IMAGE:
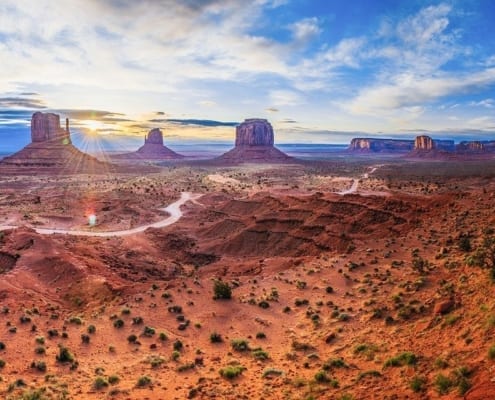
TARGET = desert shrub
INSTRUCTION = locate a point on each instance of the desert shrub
(215, 337)
(260, 335)
(113, 379)
(443, 383)
(75, 320)
(417, 384)
(185, 367)
(64, 355)
(118, 323)
(137, 320)
(175, 355)
(132, 338)
(2, 346)
(40, 340)
(373, 373)
(334, 363)
(232, 371)
(178, 345)
(491, 352)
(148, 331)
(85, 338)
(272, 372)
(2, 363)
(221, 290)
(264, 304)
(406, 358)
(100, 383)
(163, 336)
(91, 329)
(40, 350)
(126, 311)
(464, 244)
(143, 381)
(155, 361)
(322, 377)
(260, 354)
(240, 344)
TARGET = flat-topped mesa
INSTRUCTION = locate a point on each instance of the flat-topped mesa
(371, 145)
(46, 127)
(51, 151)
(254, 142)
(423, 143)
(471, 147)
(254, 132)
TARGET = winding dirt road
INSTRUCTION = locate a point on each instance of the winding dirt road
(173, 209)
(355, 182)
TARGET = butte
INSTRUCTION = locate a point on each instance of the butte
(254, 142)
(153, 149)
(51, 150)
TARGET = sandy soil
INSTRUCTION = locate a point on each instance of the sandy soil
(355, 296)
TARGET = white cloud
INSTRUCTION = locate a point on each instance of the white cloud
(408, 91)
(305, 29)
(487, 103)
(285, 98)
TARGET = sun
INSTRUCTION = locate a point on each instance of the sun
(92, 125)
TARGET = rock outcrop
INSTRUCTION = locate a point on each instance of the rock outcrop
(254, 132)
(46, 127)
(371, 145)
(423, 143)
(471, 147)
(153, 149)
(254, 142)
(51, 150)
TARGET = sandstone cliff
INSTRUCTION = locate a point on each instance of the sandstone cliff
(423, 143)
(380, 145)
(254, 142)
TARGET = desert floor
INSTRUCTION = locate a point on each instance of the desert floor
(385, 291)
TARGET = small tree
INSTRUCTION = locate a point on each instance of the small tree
(221, 290)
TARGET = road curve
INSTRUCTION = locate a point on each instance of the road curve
(355, 182)
(173, 209)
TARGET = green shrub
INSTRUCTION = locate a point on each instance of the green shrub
(64, 355)
(272, 372)
(491, 352)
(118, 323)
(113, 379)
(221, 290)
(240, 345)
(406, 358)
(144, 381)
(260, 354)
(162, 336)
(215, 337)
(443, 383)
(100, 383)
(417, 384)
(232, 371)
(91, 329)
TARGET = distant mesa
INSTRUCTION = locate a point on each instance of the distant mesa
(423, 143)
(254, 141)
(51, 148)
(153, 149)
(372, 145)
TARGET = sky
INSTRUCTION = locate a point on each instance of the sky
(319, 71)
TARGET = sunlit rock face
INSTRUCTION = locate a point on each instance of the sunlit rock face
(155, 136)
(51, 151)
(46, 127)
(254, 132)
(423, 143)
(254, 142)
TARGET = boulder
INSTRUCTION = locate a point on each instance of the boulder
(444, 307)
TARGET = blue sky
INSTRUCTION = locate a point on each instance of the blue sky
(320, 71)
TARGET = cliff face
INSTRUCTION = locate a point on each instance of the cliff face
(46, 127)
(155, 136)
(423, 143)
(254, 142)
(471, 147)
(381, 145)
(51, 151)
(254, 132)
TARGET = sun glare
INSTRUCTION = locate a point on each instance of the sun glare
(93, 125)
